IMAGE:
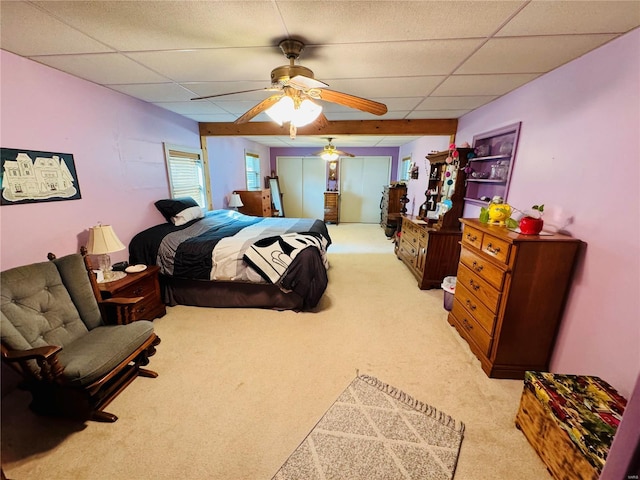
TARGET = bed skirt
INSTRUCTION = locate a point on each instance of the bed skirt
(204, 293)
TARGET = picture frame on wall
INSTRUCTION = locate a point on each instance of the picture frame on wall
(32, 176)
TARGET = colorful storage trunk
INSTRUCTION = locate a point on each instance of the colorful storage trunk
(570, 420)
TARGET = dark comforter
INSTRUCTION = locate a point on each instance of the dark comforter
(214, 247)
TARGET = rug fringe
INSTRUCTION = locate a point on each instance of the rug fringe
(408, 400)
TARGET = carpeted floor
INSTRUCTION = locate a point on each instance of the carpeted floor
(239, 390)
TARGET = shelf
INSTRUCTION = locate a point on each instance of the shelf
(476, 201)
(491, 157)
(485, 180)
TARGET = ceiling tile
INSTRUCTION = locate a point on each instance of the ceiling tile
(550, 18)
(482, 84)
(153, 25)
(420, 58)
(390, 86)
(437, 114)
(225, 64)
(454, 103)
(506, 55)
(102, 68)
(337, 22)
(21, 32)
(155, 92)
(189, 107)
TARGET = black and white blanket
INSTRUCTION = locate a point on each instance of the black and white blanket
(214, 248)
(272, 256)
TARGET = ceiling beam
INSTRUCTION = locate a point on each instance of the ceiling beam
(447, 126)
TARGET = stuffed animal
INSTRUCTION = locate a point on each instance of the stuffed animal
(499, 211)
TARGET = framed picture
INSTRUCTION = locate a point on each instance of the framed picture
(30, 176)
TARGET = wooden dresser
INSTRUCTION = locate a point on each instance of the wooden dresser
(510, 295)
(331, 207)
(430, 253)
(390, 204)
(142, 284)
(256, 202)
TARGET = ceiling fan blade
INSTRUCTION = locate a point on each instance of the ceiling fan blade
(344, 154)
(301, 82)
(352, 101)
(259, 108)
(231, 93)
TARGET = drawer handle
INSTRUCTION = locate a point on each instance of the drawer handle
(138, 291)
(140, 309)
(471, 238)
(477, 267)
(474, 285)
(467, 325)
(470, 305)
(492, 249)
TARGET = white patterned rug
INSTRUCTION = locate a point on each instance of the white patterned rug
(375, 431)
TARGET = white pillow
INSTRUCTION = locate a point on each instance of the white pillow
(187, 215)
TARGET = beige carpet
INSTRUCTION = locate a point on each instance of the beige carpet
(238, 390)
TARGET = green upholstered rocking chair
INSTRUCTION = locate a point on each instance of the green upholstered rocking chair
(54, 335)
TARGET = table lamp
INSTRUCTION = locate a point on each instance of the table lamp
(235, 201)
(102, 242)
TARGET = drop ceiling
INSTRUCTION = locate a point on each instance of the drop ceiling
(423, 59)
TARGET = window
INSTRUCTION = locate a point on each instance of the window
(252, 170)
(186, 170)
(404, 169)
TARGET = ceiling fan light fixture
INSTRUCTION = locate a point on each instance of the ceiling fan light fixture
(285, 111)
(281, 111)
(306, 113)
(329, 156)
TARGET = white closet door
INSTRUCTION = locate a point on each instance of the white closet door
(361, 181)
(302, 183)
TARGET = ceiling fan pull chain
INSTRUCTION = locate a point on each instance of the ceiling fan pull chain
(292, 131)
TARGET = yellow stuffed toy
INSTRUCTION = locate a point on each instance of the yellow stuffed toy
(499, 211)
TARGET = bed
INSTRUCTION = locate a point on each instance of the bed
(223, 258)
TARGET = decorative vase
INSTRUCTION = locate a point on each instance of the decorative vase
(531, 225)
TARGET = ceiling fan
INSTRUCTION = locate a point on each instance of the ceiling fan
(330, 152)
(296, 89)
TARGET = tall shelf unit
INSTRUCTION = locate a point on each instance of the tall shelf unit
(489, 172)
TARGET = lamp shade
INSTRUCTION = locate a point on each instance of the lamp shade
(235, 200)
(329, 156)
(298, 113)
(102, 239)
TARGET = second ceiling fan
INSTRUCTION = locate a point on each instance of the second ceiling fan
(330, 152)
(296, 89)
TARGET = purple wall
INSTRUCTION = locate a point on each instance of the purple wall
(226, 166)
(578, 154)
(117, 146)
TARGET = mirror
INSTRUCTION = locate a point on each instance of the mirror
(276, 197)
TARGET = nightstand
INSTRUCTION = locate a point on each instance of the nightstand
(143, 284)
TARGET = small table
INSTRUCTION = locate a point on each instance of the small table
(142, 284)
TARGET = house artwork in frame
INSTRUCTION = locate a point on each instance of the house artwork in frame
(30, 176)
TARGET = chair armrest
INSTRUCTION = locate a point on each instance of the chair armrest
(46, 359)
(123, 307)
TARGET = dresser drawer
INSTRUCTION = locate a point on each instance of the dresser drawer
(470, 328)
(408, 247)
(472, 236)
(480, 288)
(485, 317)
(498, 249)
(145, 310)
(141, 288)
(483, 267)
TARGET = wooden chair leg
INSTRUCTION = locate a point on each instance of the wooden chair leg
(143, 372)
(105, 417)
